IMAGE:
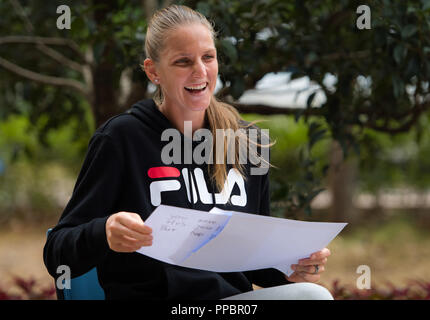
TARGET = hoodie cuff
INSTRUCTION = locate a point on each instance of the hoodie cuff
(98, 236)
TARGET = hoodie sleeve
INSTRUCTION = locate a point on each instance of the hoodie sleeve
(266, 277)
(79, 239)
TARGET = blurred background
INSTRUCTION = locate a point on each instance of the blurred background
(343, 87)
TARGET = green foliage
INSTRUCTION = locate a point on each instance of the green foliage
(19, 140)
(381, 75)
(32, 192)
(299, 162)
(16, 137)
(395, 161)
(257, 37)
(34, 181)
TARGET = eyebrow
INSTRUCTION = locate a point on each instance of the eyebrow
(185, 54)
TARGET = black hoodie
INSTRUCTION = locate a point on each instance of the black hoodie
(123, 171)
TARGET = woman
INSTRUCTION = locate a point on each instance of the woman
(124, 177)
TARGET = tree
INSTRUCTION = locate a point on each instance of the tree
(381, 73)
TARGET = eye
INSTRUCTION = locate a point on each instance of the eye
(208, 57)
(182, 61)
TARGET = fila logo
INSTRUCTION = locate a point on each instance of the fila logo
(200, 186)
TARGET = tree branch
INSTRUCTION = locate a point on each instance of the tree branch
(60, 58)
(351, 55)
(44, 40)
(415, 114)
(19, 9)
(56, 81)
(269, 110)
(57, 56)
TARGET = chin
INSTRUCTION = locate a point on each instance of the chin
(196, 106)
(198, 109)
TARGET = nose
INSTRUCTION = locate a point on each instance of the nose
(199, 69)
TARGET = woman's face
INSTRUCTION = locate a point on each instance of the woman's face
(188, 68)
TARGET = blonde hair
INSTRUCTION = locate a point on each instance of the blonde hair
(219, 115)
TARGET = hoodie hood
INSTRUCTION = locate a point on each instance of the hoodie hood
(148, 112)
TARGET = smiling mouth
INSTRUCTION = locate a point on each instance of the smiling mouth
(197, 89)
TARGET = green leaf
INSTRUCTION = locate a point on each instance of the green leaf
(237, 88)
(229, 49)
(310, 59)
(313, 127)
(412, 67)
(317, 136)
(399, 53)
(314, 193)
(310, 99)
(203, 8)
(427, 64)
(398, 87)
(386, 2)
(324, 169)
(426, 4)
(298, 114)
(295, 73)
(98, 51)
(409, 31)
(356, 148)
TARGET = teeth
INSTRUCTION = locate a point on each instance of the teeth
(197, 87)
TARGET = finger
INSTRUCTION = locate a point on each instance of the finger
(131, 242)
(308, 269)
(295, 277)
(310, 277)
(128, 248)
(122, 247)
(309, 262)
(324, 253)
(315, 257)
(303, 277)
(134, 221)
(130, 233)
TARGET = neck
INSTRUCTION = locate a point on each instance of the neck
(177, 117)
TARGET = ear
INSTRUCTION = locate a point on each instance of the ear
(150, 70)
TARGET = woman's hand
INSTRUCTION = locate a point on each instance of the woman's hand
(306, 271)
(126, 232)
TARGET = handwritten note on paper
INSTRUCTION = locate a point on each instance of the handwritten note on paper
(178, 232)
(229, 241)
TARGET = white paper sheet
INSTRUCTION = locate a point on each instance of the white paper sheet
(230, 241)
